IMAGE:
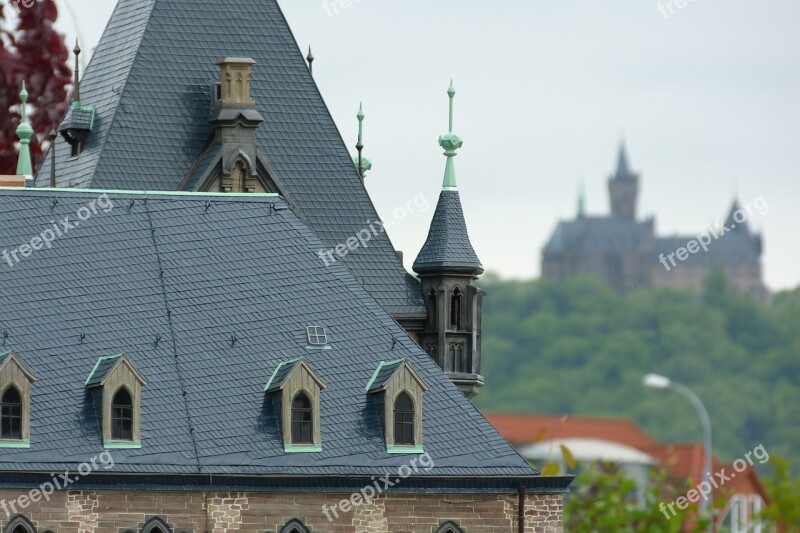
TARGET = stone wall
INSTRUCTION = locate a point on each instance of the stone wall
(77, 511)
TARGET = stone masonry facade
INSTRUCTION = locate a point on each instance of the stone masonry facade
(88, 511)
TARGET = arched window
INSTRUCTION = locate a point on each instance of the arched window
(122, 415)
(432, 308)
(294, 526)
(456, 309)
(11, 412)
(302, 420)
(156, 525)
(19, 524)
(404, 420)
(449, 527)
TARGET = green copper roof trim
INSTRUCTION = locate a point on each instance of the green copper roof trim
(97, 364)
(405, 449)
(275, 372)
(302, 448)
(144, 193)
(378, 371)
(114, 445)
(24, 443)
(24, 132)
(450, 142)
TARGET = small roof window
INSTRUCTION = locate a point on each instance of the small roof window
(317, 336)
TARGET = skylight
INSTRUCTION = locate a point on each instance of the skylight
(317, 336)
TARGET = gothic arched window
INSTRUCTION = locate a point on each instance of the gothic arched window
(302, 420)
(404, 420)
(456, 309)
(294, 526)
(432, 308)
(11, 410)
(122, 415)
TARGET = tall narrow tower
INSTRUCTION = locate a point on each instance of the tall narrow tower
(623, 188)
(448, 268)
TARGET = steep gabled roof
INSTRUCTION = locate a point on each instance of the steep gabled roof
(207, 294)
(150, 83)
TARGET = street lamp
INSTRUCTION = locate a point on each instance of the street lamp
(656, 381)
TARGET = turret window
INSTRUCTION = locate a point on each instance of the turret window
(11, 414)
(122, 416)
(302, 420)
(432, 308)
(456, 306)
(404, 420)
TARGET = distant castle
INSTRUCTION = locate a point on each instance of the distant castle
(627, 253)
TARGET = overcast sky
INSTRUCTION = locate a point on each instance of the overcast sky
(708, 99)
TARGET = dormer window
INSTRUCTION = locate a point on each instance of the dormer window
(397, 390)
(295, 390)
(456, 306)
(317, 337)
(117, 386)
(16, 381)
(11, 407)
(404, 420)
(302, 420)
(122, 416)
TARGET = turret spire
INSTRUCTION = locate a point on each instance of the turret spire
(450, 142)
(582, 199)
(76, 91)
(362, 163)
(310, 59)
(24, 132)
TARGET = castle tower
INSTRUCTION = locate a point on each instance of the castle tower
(448, 267)
(623, 188)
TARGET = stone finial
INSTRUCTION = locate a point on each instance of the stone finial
(234, 76)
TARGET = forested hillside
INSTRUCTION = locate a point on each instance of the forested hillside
(576, 347)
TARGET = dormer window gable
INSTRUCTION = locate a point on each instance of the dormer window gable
(119, 384)
(295, 389)
(398, 390)
(16, 381)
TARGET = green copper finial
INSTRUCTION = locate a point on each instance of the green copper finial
(450, 142)
(362, 163)
(24, 132)
(360, 116)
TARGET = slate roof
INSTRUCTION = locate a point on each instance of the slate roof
(448, 244)
(595, 234)
(101, 369)
(282, 371)
(150, 82)
(729, 249)
(385, 370)
(206, 294)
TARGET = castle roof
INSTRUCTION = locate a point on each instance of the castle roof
(207, 295)
(595, 234)
(150, 84)
(448, 245)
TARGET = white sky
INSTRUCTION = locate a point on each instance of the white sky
(708, 100)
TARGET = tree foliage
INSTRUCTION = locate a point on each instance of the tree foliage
(576, 347)
(785, 493)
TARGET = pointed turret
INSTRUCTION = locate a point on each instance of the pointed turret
(623, 187)
(448, 268)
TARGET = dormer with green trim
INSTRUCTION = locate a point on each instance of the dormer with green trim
(16, 381)
(119, 385)
(79, 119)
(397, 390)
(295, 390)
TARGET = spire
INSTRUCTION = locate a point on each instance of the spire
(363, 164)
(581, 200)
(310, 59)
(52, 137)
(24, 132)
(76, 91)
(623, 168)
(450, 142)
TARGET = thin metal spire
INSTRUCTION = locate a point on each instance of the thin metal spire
(52, 138)
(24, 132)
(310, 59)
(360, 145)
(76, 91)
(450, 142)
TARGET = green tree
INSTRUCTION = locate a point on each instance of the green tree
(785, 494)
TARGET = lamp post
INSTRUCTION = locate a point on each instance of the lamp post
(656, 381)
